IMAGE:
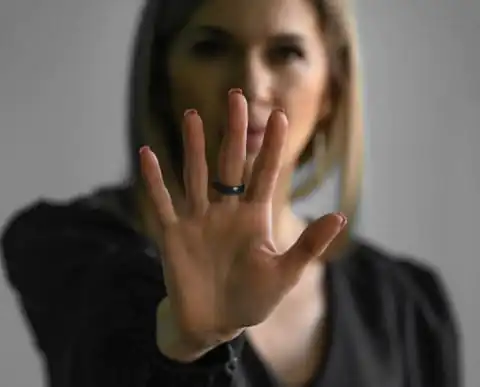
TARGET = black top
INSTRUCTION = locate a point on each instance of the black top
(89, 286)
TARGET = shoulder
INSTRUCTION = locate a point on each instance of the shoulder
(83, 215)
(402, 281)
(81, 239)
(402, 312)
(83, 233)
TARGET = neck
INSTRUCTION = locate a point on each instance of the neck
(286, 226)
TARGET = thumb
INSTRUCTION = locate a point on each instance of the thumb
(312, 243)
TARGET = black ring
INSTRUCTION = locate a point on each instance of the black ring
(229, 190)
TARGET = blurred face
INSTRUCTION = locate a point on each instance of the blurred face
(271, 49)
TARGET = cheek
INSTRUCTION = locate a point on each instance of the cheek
(197, 87)
(193, 88)
(302, 99)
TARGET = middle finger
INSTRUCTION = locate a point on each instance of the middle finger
(231, 163)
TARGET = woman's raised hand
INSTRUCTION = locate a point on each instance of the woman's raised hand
(222, 271)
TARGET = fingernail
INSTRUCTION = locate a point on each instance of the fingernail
(189, 112)
(343, 218)
(143, 149)
(279, 109)
(235, 91)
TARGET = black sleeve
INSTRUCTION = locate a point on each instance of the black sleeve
(431, 338)
(90, 296)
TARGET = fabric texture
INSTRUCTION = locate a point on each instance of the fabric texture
(89, 285)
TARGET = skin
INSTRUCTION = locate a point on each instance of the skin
(268, 56)
(274, 53)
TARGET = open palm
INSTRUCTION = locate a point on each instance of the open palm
(222, 271)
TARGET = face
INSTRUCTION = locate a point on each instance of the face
(271, 49)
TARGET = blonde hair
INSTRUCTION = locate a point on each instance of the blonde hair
(339, 139)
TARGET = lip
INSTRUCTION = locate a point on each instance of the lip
(255, 129)
(255, 135)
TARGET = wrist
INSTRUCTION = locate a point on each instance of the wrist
(173, 342)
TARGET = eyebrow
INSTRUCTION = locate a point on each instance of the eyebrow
(212, 31)
(219, 32)
(288, 38)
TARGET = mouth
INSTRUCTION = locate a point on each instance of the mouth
(255, 136)
(255, 129)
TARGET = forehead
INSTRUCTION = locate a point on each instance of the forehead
(251, 19)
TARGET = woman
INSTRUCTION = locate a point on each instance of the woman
(200, 274)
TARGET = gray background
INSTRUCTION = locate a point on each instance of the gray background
(63, 65)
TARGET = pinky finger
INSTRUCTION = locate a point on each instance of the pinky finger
(159, 194)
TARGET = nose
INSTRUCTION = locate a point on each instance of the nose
(255, 79)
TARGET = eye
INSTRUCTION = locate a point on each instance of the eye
(210, 48)
(286, 53)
